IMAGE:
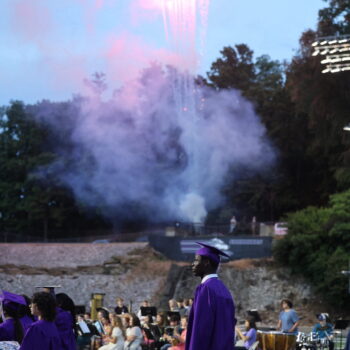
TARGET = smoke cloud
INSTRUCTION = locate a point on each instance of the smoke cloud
(137, 155)
(161, 147)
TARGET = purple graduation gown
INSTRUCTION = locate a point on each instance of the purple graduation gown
(211, 324)
(64, 324)
(7, 330)
(41, 335)
(26, 322)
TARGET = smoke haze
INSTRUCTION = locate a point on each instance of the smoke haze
(136, 155)
(161, 147)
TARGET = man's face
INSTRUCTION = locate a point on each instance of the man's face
(199, 266)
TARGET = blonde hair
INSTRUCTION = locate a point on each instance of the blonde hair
(117, 322)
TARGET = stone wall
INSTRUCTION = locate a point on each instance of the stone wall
(122, 269)
(136, 272)
(259, 284)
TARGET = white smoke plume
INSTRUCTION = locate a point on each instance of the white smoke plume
(135, 154)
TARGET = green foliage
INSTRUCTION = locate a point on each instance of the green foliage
(31, 204)
(317, 246)
(304, 112)
(334, 18)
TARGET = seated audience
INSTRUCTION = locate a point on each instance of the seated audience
(179, 337)
(174, 328)
(101, 314)
(173, 305)
(85, 331)
(114, 340)
(133, 334)
(87, 317)
(187, 306)
(148, 332)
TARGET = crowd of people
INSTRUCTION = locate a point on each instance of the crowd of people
(147, 329)
(48, 321)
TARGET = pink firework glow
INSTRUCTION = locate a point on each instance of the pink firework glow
(150, 118)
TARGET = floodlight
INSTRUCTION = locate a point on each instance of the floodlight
(337, 52)
(346, 128)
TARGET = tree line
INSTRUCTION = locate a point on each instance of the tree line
(304, 112)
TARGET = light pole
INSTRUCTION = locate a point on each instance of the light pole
(347, 273)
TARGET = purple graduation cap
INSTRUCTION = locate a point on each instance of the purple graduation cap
(11, 300)
(210, 252)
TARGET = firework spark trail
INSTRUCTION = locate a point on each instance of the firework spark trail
(184, 22)
(161, 146)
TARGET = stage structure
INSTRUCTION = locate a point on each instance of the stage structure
(335, 51)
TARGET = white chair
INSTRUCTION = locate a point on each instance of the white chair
(9, 345)
(254, 345)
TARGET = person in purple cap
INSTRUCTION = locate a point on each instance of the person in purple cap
(11, 328)
(43, 333)
(211, 324)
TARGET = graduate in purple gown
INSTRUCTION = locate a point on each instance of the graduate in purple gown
(65, 321)
(43, 333)
(11, 328)
(26, 317)
(212, 320)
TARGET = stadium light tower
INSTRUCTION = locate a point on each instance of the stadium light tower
(336, 58)
(335, 51)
